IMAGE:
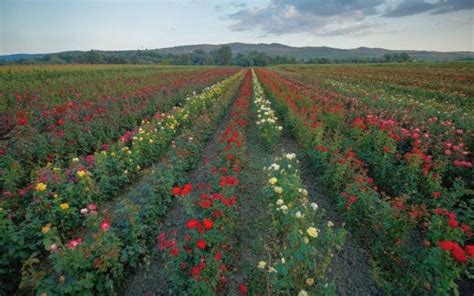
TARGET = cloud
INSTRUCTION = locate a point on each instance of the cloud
(233, 4)
(336, 17)
(411, 7)
(330, 8)
(357, 29)
(317, 17)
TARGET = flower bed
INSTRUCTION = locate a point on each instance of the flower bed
(61, 196)
(353, 156)
(266, 123)
(300, 246)
(90, 114)
(200, 259)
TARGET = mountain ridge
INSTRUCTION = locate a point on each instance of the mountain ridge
(275, 49)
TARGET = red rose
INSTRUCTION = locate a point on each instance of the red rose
(72, 244)
(243, 289)
(193, 223)
(195, 271)
(453, 223)
(176, 191)
(218, 256)
(201, 244)
(174, 252)
(465, 228)
(352, 199)
(205, 204)
(105, 225)
(207, 223)
(445, 245)
(187, 188)
(458, 254)
(60, 121)
(227, 201)
(217, 214)
(470, 250)
(22, 121)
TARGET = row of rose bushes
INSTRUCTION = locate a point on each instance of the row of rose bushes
(442, 82)
(266, 123)
(47, 86)
(426, 111)
(79, 127)
(298, 253)
(58, 195)
(300, 246)
(200, 257)
(404, 155)
(115, 241)
(415, 237)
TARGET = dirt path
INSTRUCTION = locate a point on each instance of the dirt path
(152, 280)
(351, 270)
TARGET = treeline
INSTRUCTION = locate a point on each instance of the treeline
(386, 58)
(222, 57)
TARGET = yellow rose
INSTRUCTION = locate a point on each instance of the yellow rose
(81, 173)
(303, 293)
(46, 228)
(278, 189)
(262, 264)
(309, 281)
(273, 181)
(312, 231)
(41, 187)
(64, 206)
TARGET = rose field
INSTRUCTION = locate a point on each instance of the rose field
(341, 179)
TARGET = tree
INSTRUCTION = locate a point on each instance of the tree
(405, 57)
(94, 57)
(241, 60)
(224, 55)
(200, 57)
(388, 57)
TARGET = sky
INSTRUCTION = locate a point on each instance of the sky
(43, 26)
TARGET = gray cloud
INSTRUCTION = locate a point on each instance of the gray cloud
(358, 29)
(329, 8)
(411, 7)
(233, 4)
(318, 17)
(337, 17)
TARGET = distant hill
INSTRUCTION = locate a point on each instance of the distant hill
(19, 56)
(308, 52)
(276, 49)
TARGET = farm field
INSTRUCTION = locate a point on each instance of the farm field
(282, 180)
